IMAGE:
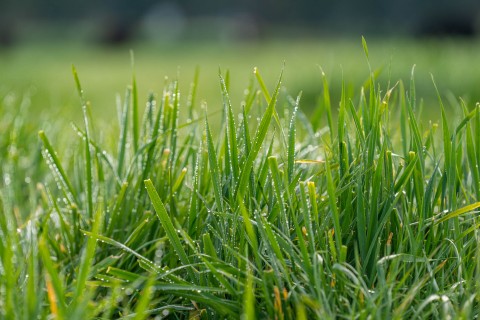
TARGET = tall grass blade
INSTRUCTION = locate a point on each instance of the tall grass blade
(260, 135)
(168, 225)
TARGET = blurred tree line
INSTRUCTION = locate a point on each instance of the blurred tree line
(115, 21)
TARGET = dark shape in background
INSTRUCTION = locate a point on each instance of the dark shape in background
(114, 22)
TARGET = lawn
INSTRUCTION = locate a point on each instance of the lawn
(232, 194)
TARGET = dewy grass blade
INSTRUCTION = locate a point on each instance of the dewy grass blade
(168, 226)
(114, 215)
(458, 212)
(263, 87)
(122, 143)
(193, 93)
(214, 170)
(174, 123)
(219, 276)
(122, 247)
(59, 170)
(246, 133)
(260, 135)
(268, 99)
(193, 209)
(231, 131)
(78, 85)
(291, 140)
(135, 129)
(277, 186)
(88, 165)
(88, 156)
(100, 152)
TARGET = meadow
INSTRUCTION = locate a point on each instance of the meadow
(277, 180)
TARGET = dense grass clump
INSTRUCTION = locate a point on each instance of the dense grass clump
(356, 211)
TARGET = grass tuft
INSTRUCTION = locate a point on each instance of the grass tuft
(346, 213)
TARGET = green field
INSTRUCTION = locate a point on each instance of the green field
(44, 69)
(232, 195)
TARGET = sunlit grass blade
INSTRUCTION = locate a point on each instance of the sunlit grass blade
(458, 212)
(263, 87)
(56, 290)
(260, 135)
(135, 128)
(291, 140)
(249, 299)
(122, 143)
(327, 102)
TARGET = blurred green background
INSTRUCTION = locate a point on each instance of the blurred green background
(41, 40)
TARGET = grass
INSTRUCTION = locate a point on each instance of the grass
(357, 210)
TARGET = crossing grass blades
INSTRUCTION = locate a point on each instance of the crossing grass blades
(259, 210)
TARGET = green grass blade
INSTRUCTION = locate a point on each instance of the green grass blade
(232, 147)
(249, 299)
(174, 123)
(120, 246)
(122, 143)
(135, 128)
(327, 102)
(458, 212)
(334, 209)
(260, 135)
(145, 298)
(58, 169)
(193, 93)
(214, 170)
(88, 166)
(365, 47)
(278, 187)
(78, 85)
(291, 140)
(263, 87)
(88, 256)
(168, 225)
(53, 278)
(88, 156)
